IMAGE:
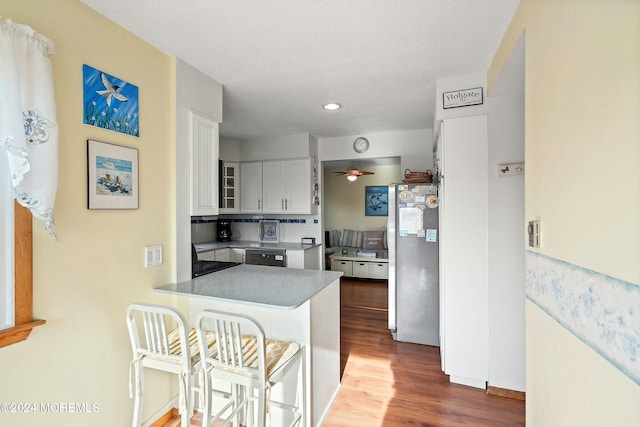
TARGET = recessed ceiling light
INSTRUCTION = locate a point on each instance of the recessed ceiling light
(332, 106)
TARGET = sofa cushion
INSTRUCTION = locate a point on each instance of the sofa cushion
(351, 238)
(373, 239)
(334, 238)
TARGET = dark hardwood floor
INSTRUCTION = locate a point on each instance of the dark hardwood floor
(388, 383)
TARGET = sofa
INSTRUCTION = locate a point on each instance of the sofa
(349, 244)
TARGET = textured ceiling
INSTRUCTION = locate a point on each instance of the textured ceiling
(279, 61)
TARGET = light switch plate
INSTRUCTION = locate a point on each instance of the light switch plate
(152, 255)
(511, 169)
(534, 234)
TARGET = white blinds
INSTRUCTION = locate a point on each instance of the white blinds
(28, 127)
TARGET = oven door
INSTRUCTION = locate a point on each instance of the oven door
(272, 257)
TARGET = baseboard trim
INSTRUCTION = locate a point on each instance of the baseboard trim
(503, 392)
(165, 418)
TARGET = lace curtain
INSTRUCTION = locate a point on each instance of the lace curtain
(28, 127)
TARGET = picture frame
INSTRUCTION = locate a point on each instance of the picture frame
(376, 200)
(462, 98)
(269, 230)
(112, 176)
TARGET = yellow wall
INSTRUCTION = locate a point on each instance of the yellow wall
(582, 179)
(84, 281)
(344, 200)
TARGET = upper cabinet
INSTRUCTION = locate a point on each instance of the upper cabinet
(230, 187)
(284, 186)
(251, 187)
(204, 165)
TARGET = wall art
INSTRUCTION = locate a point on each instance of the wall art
(112, 181)
(110, 102)
(376, 201)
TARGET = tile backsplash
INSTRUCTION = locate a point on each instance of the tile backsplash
(291, 229)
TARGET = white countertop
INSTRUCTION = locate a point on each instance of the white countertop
(246, 244)
(275, 287)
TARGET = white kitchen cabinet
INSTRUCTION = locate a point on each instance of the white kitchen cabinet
(273, 186)
(286, 186)
(207, 256)
(276, 186)
(203, 151)
(236, 255)
(295, 259)
(230, 188)
(222, 255)
(462, 156)
(309, 258)
(251, 187)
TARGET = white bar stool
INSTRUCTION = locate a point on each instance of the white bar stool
(156, 346)
(242, 356)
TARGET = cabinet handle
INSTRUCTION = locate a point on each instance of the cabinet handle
(259, 207)
(282, 204)
(286, 204)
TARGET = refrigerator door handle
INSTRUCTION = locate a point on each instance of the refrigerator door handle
(391, 243)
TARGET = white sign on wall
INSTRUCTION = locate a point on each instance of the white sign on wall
(462, 98)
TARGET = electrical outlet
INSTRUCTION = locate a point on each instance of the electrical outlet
(152, 255)
(511, 169)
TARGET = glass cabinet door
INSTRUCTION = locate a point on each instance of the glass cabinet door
(230, 188)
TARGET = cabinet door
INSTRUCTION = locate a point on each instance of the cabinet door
(273, 186)
(206, 256)
(251, 187)
(230, 188)
(222, 255)
(236, 255)
(295, 259)
(297, 197)
(204, 148)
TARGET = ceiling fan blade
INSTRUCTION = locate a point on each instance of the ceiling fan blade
(340, 173)
(366, 173)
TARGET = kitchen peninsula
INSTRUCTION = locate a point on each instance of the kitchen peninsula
(290, 304)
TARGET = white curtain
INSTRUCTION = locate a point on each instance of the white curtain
(28, 127)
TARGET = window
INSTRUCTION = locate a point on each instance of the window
(23, 284)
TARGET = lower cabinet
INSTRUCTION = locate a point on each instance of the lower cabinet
(207, 256)
(236, 255)
(366, 269)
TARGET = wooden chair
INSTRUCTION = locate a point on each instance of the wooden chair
(251, 363)
(160, 340)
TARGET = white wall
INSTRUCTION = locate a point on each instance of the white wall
(413, 147)
(505, 106)
(467, 81)
(581, 139)
(282, 147)
(345, 201)
(199, 93)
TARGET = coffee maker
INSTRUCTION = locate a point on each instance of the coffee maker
(224, 230)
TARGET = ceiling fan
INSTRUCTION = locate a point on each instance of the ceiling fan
(353, 173)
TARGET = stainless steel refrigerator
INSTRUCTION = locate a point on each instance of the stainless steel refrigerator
(412, 233)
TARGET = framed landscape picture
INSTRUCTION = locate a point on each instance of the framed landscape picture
(112, 176)
(376, 201)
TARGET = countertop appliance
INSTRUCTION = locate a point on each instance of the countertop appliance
(202, 267)
(412, 232)
(224, 230)
(265, 256)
